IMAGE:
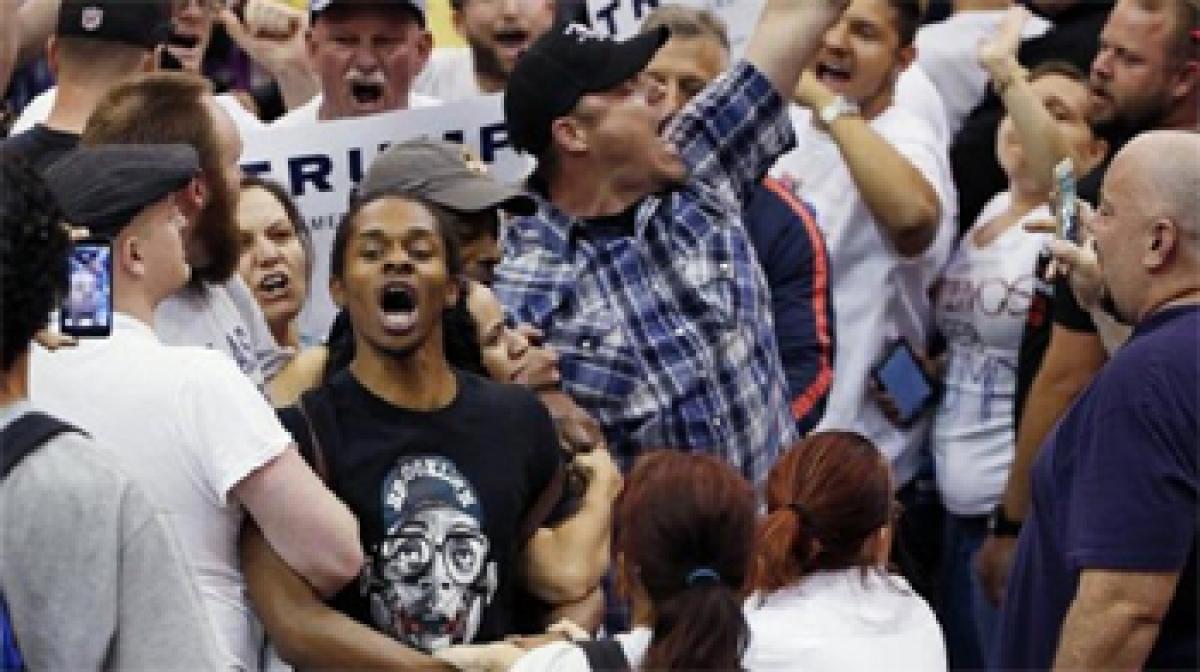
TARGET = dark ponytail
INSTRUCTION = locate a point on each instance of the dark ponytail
(686, 525)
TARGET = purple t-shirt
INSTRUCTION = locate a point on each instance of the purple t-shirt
(1115, 488)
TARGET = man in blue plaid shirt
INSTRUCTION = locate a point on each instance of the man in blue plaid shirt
(637, 267)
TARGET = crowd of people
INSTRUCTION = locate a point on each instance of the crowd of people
(867, 340)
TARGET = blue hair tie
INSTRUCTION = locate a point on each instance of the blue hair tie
(703, 574)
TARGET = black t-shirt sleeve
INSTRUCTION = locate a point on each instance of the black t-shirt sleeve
(1067, 311)
(294, 423)
(545, 457)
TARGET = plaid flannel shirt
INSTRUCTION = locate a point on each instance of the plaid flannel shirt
(666, 335)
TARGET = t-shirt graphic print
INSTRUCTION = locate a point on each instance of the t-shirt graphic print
(430, 576)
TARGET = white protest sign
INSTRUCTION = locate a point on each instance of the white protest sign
(320, 163)
(622, 18)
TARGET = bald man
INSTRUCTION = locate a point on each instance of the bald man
(1105, 575)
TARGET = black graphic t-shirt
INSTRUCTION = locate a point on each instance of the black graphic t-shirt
(439, 497)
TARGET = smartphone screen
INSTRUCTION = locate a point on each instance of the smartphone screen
(87, 309)
(1068, 207)
(901, 377)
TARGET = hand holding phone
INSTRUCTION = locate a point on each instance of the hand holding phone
(1067, 210)
(901, 377)
(87, 310)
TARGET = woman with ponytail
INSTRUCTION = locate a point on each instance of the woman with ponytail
(685, 531)
(823, 598)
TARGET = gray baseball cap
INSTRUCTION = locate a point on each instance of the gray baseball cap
(444, 173)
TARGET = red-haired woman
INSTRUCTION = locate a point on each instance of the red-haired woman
(685, 535)
(823, 597)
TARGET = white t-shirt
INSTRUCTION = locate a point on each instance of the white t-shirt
(566, 657)
(843, 621)
(187, 426)
(38, 110)
(948, 52)
(878, 296)
(225, 318)
(449, 75)
(916, 93)
(308, 113)
(980, 306)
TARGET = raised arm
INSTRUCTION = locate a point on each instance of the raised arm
(1041, 140)
(313, 531)
(305, 631)
(787, 36)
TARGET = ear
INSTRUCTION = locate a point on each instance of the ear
(311, 44)
(424, 49)
(456, 20)
(337, 291)
(129, 259)
(1161, 239)
(455, 289)
(1187, 80)
(570, 134)
(52, 57)
(905, 57)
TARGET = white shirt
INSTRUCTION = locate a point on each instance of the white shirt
(38, 110)
(980, 306)
(225, 318)
(916, 93)
(566, 657)
(309, 112)
(948, 52)
(843, 621)
(878, 296)
(187, 426)
(449, 75)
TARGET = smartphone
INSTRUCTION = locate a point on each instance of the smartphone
(901, 376)
(87, 310)
(1068, 201)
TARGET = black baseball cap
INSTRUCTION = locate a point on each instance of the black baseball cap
(103, 187)
(562, 66)
(138, 23)
(316, 7)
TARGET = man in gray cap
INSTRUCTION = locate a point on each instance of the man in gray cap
(450, 176)
(183, 421)
(96, 44)
(366, 53)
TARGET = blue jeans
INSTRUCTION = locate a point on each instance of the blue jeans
(967, 617)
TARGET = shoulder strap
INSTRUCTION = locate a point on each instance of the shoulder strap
(26, 434)
(318, 415)
(604, 655)
(545, 503)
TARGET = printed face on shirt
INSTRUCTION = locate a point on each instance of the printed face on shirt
(430, 576)
(367, 58)
(1066, 100)
(273, 262)
(1133, 80)
(395, 283)
(684, 66)
(622, 130)
(861, 56)
(499, 31)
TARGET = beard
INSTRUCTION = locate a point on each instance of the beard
(487, 63)
(215, 237)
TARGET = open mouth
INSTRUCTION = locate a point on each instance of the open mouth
(512, 39)
(833, 74)
(274, 285)
(398, 302)
(366, 93)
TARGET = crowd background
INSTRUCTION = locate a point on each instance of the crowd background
(781, 356)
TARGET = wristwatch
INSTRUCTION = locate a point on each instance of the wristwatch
(839, 106)
(1000, 525)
